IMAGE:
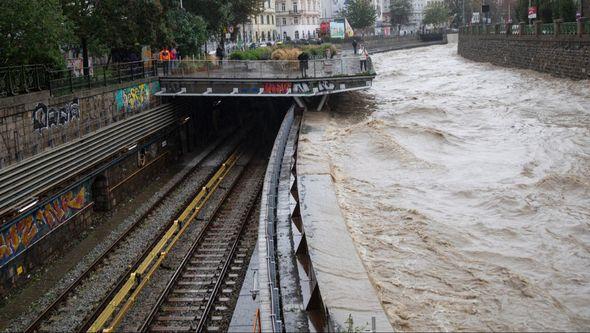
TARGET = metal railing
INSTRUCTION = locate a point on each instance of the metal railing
(268, 217)
(23, 79)
(70, 80)
(264, 69)
(548, 29)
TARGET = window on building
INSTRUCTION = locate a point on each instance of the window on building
(267, 19)
(283, 7)
(294, 7)
(284, 21)
(255, 19)
(295, 20)
(296, 34)
(268, 35)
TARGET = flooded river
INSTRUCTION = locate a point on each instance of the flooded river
(466, 189)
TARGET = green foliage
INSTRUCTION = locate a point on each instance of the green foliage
(456, 11)
(360, 13)
(522, 10)
(187, 31)
(261, 53)
(264, 53)
(567, 10)
(400, 11)
(436, 13)
(320, 50)
(545, 10)
(31, 32)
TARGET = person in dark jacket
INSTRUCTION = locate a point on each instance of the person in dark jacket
(219, 53)
(355, 45)
(303, 63)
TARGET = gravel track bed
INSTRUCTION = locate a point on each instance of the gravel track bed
(150, 294)
(89, 294)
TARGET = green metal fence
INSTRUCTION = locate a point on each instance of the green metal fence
(569, 28)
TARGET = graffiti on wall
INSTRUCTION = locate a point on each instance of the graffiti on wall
(277, 87)
(136, 98)
(18, 235)
(45, 117)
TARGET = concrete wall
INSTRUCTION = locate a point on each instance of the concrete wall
(562, 56)
(35, 122)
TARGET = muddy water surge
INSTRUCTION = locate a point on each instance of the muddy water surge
(466, 189)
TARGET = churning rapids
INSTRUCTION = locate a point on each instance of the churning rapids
(466, 189)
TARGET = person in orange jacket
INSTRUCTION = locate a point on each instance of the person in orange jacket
(165, 58)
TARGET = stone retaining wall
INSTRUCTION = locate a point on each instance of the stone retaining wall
(563, 55)
(35, 122)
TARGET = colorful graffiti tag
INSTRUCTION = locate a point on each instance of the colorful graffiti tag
(15, 237)
(277, 88)
(136, 98)
(45, 117)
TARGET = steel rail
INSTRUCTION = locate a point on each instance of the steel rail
(189, 255)
(122, 301)
(35, 325)
(112, 141)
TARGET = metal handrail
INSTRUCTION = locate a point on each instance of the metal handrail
(268, 217)
(262, 69)
(16, 80)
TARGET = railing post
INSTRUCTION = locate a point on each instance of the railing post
(538, 28)
(557, 26)
(10, 83)
(581, 26)
(497, 29)
(119, 73)
(132, 72)
(37, 81)
(508, 28)
(70, 80)
(521, 28)
(104, 76)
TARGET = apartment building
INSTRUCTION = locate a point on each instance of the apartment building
(297, 19)
(262, 27)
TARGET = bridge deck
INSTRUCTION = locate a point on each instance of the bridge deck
(271, 78)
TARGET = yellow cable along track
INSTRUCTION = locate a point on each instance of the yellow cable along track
(114, 312)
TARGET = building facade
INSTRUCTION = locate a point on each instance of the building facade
(330, 9)
(297, 19)
(262, 28)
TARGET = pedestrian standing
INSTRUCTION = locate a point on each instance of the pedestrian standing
(165, 59)
(354, 45)
(303, 63)
(174, 57)
(363, 56)
(219, 54)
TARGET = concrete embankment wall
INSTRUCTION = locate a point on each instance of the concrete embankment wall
(35, 122)
(563, 56)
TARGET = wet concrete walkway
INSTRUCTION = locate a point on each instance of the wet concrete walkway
(343, 281)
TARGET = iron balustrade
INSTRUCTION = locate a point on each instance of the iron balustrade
(556, 28)
(263, 69)
(22, 79)
(67, 81)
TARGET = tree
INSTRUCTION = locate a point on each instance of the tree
(456, 11)
(567, 10)
(32, 32)
(186, 30)
(360, 14)
(522, 10)
(400, 11)
(436, 13)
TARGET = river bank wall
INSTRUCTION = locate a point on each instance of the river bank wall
(560, 55)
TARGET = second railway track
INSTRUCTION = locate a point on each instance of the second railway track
(71, 310)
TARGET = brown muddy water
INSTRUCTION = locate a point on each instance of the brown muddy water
(466, 190)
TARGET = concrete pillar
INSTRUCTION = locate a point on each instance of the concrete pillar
(497, 29)
(508, 28)
(521, 28)
(557, 27)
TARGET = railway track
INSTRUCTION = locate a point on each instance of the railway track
(89, 288)
(203, 289)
